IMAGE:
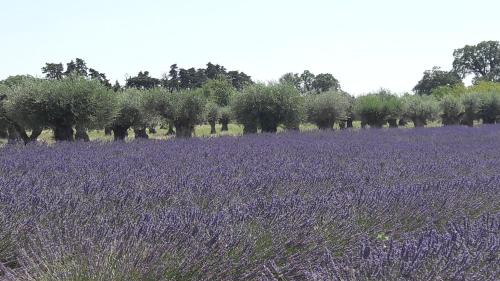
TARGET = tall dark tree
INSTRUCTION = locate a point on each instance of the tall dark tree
(292, 79)
(77, 67)
(199, 78)
(171, 82)
(435, 78)
(239, 79)
(184, 79)
(481, 60)
(307, 81)
(53, 70)
(191, 78)
(101, 77)
(117, 87)
(324, 82)
(213, 71)
(142, 81)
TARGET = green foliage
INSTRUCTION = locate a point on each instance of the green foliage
(219, 91)
(481, 60)
(188, 106)
(484, 86)
(60, 105)
(456, 90)
(268, 106)
(212, 112)
(489, 109)
(3, 120)
(212, 115)
(436, 78)
(15, 80)
(142, 81)
(378, 108)
(324, 82)
(184, 109)
(77, 67)
(307, 82)
(326, 108)
(132, 110)
(472, 104)
(53, 70)
(420, 109)
(187, 111)
(452, 110)
(226, 114)
(292, 79)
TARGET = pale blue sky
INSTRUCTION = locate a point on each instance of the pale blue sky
(365, 44)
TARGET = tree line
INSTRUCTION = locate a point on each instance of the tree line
(74, 100)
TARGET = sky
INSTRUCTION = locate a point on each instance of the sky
(366, 44)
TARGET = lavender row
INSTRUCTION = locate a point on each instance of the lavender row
(391, 204)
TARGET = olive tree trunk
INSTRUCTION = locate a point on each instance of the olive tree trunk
(392, 123)
(81, 134)
(489, 120)
(108, 131)
(224, 123)
(418, 122)
(212, 128)
(35, 133)
(170, 129)
(13, 136)
(249, 128)
(325, 125)
(268, 127)
(140, 133)
(4, 133)
(467, 122)
(63, 133)
(120, 133)
(183, 131)
(342, 124)
(349, 123)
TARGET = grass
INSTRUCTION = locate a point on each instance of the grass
(199, 131)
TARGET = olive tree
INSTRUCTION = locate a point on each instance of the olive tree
(212, 115)
(326, 108)
(131, 113)
(183, 109)
(61, 105)
(452, 110)
(219, 91)
(225, 114)
(19, 113)
(268, 106)
(471, 103)
(3, 120)
(187, 111)
(489, 109)
(420, 109)
(379, 108)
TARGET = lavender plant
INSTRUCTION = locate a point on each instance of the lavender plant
(419, 204)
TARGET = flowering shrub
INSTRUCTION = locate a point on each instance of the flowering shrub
(416, 204)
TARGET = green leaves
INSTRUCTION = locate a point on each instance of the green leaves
(420, 109)
(376, 109)
(267, 106)
(219, 90)
(481, 60)
(326, 108)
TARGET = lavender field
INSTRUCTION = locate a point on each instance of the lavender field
(397, 204)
